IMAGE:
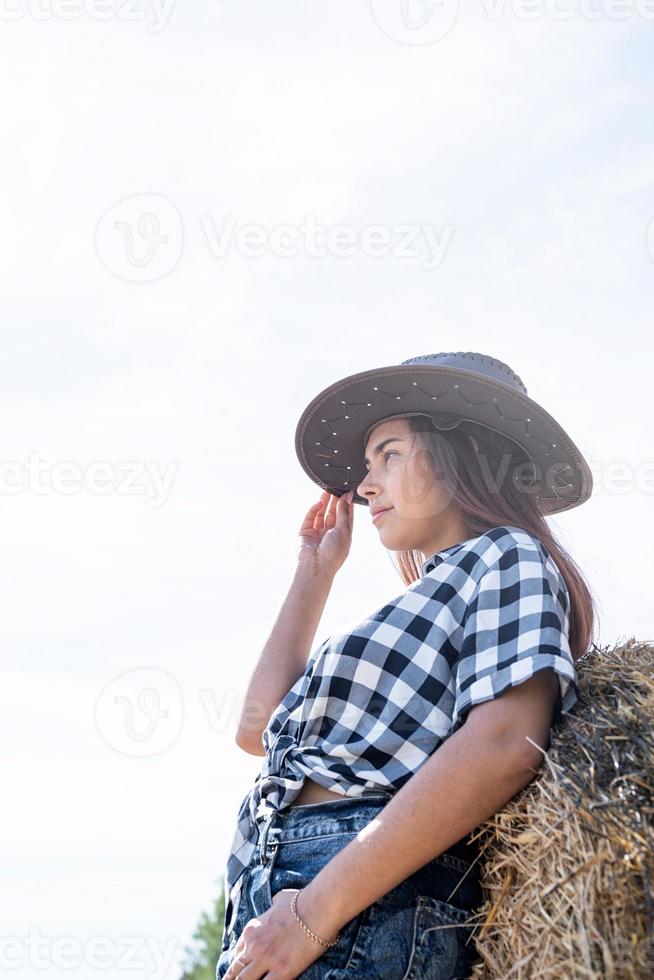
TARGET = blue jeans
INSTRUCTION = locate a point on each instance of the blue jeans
(414, 932)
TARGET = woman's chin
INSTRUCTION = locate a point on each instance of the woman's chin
(393, 542)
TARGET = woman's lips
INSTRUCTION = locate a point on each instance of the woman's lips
(380, 514)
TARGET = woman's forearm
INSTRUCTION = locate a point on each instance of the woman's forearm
(285, 654)
(462, 784)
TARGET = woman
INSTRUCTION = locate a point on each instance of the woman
(353, 853)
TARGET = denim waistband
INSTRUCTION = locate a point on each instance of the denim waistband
(331, 817)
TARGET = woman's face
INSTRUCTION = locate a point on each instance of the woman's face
(421, 514)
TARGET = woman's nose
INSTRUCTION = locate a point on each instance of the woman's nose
(363, 487)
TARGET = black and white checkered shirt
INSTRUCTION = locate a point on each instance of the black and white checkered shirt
(376, 701)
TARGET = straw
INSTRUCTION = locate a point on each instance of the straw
(567, 865)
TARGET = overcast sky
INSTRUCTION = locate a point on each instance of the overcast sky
(204, 213)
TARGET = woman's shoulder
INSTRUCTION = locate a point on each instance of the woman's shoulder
(507, 536)
(507, 544)
(510, 553)
(497, 548)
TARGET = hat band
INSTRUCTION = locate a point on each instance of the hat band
(442, 420)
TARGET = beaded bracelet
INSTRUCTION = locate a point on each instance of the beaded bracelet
(305, 926)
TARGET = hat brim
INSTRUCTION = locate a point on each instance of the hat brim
(330, 431)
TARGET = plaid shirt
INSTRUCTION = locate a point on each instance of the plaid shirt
(376, 701)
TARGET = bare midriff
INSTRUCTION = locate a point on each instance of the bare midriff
(313, 792)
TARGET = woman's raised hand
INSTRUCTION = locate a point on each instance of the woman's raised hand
(326, 532)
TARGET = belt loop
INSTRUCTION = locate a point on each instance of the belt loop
(263, 835)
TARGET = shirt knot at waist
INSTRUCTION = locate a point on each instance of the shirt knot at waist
(280, 773)
(276, 756)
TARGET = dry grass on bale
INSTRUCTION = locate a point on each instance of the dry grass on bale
(567, 864)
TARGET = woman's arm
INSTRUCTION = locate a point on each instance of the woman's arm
(471, 776)
(325, 537)
(285, 655)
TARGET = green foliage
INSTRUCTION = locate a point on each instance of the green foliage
(201, 958)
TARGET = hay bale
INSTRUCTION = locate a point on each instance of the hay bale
(567, 864)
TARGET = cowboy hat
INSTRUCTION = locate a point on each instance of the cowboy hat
(449, 388)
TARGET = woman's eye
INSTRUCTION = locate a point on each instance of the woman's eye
(389, 452)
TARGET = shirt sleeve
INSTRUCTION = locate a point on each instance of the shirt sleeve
(516, 624)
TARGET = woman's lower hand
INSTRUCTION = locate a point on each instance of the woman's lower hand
(274, 945)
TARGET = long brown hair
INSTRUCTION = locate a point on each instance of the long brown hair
(466, 458)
